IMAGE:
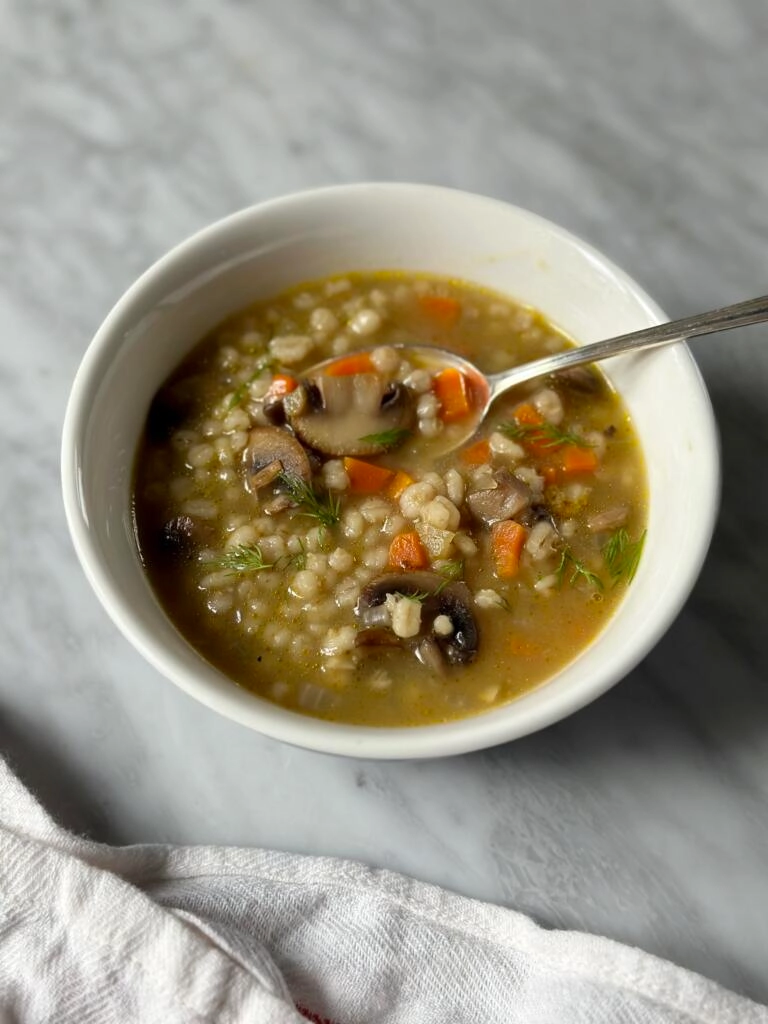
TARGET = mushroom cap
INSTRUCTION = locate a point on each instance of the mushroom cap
(344, 415)
(438, 598)
(504, 501)
(579, 378)
(271, 451)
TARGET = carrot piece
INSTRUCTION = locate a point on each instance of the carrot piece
(549, 473)
(450, 386)
(527, 415)
(365, 477)
(282, 384)
(407, 552)
(574, 460)
(398, 484)
(441, 308)
(477, 454)
(507, 539)
(350, 365)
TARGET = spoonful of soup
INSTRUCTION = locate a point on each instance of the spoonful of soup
(367, 402)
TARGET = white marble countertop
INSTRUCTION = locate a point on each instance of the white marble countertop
(125, 127)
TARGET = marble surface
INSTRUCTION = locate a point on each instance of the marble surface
(124, 127)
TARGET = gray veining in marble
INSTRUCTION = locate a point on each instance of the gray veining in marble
(123, 128)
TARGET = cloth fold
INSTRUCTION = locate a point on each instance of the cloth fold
(91, 933)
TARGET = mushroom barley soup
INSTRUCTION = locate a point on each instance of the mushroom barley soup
(314, 538)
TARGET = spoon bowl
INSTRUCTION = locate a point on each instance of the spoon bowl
(484, 389)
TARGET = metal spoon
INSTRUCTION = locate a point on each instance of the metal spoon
(488, 387)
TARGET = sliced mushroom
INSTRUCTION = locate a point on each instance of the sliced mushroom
(180, 536)
(428, 652)
(342, 415)
(377, 636)
(504, 501)
(265, 476)
(580, 378)
(438, 598)
(610, 519)
(271, 451)
(536, 513)
(274, 411)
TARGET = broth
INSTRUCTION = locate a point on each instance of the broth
(309, 539)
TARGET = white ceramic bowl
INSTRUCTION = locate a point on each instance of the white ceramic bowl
(262, 250)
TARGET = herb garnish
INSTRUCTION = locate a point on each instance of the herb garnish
(419, 596)
(572, 569)
(266, 363)
(622, 556)
(452, 570)
(250, 558)
(298, 560)
(387, 438)
(326, 508)
(545, 435)
(244, 558)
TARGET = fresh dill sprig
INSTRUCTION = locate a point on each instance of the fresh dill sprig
(622, 555)
(266, 363)
(250, 558)
(326, 508)
(450, 571)
(298, 560)
(244, 558)
(387, 438)
(419, 596)
(545, 435)
(572, 570)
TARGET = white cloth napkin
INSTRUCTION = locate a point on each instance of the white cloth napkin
(90, 933)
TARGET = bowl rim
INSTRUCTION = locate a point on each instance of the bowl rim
(407, 742)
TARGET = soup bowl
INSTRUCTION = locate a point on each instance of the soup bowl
(259, 252)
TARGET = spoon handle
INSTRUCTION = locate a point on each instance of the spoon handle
(753, 311)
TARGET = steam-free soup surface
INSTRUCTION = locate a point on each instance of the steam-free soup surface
(312, 537)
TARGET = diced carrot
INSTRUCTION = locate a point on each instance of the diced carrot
(365, 477)
(574, 460)
(527, 415)
(450, 386)
(398, 484)
(361, 362)
(507, 539)
(442, 309)
(407, 552)
(549, 473)
(282, 384)
(477, 454)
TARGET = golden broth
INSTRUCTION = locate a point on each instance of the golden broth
(287, 628)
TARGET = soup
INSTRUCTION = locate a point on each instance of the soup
(321, 540)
